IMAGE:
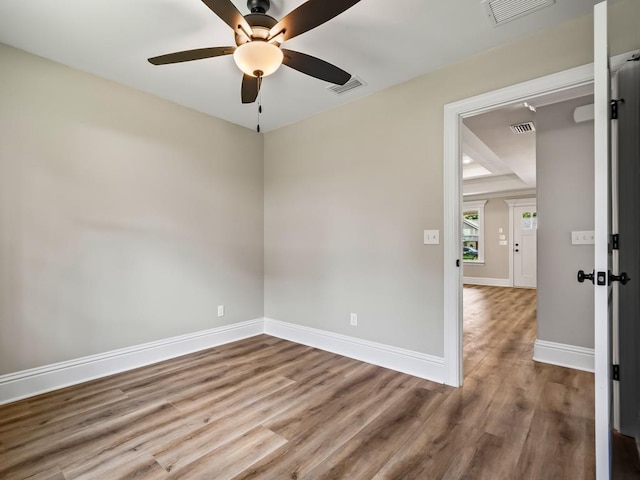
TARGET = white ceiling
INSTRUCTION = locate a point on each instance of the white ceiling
(501, 160)
(383, 42)
(509, 159)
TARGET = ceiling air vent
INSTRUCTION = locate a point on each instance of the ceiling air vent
(503, 11)
(525, 127)
(352, 84)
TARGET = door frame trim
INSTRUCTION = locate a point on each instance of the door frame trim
(452, 179)
(602, 339)
(453, 115)
(518, 202)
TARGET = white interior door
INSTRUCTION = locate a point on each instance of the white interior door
(626, 175)
(525, 228)
(602, 98)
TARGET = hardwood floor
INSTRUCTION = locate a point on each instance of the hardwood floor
(625, 461)
(265, 408)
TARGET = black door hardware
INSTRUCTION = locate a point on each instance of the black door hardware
(601, 278)
(615, 372)
(623, 278)
(584, 276)
(517, 245)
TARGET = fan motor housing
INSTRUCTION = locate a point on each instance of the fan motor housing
(258, 6)
(260, 20)
(260, 23)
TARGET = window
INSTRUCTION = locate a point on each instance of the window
(473, 231)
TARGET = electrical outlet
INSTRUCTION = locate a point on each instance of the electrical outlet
(354, 319)
(221, 310)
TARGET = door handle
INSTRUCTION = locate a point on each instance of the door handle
(623, 278)
(517, 250)
(585, 276)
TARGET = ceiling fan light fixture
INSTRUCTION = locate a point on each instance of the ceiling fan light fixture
(258, 58)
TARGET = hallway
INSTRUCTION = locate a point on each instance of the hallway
(547, 419)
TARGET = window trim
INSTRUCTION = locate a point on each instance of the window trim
(479, 206)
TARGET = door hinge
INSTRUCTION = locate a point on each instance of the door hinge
(615, 372)
(615, 241)
(457, 262)
(614, 108)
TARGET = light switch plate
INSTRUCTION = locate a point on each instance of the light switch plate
(504, 243)
(583, 238)
(432, 237)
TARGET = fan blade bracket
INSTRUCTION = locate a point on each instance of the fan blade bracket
(241, 32)
(278, 33)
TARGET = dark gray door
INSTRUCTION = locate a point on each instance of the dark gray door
(629, 253)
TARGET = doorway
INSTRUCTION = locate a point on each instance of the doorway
(453, 115)
(499, 223)
(558, 85)
(564, 156)
(524, 256)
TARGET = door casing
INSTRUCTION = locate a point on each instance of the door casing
(453, 115)
(519, 202)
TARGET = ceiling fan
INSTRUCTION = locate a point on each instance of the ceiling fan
(258, 38)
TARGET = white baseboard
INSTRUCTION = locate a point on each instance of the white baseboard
(407, 361)
(570, 356)
(27, 383)
(489, 282)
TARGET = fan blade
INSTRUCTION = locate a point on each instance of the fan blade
(309, 15)
(230, 15)
(315, 67)
(188, 55)
(250, 88)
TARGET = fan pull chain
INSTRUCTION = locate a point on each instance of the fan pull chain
(259, 110)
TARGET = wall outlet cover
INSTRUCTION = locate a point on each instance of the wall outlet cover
(432, 237)
(586, 237)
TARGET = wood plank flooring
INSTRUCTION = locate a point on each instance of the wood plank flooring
(625, 461)
(265, 408)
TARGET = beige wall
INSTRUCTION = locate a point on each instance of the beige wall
(123, 218)
(624, 34)
(348, 193)
(126, 219)
(564, 167)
